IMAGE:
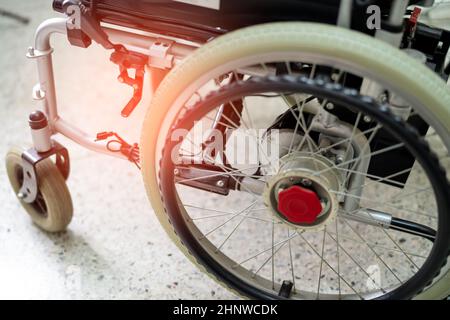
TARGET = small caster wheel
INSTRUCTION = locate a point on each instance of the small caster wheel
(52, 210)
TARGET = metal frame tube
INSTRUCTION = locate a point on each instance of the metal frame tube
(42, 52)
(345, 14)
(141, 42)
(76, 135)
(398, 9)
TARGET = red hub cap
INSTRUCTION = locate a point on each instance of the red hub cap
(299, 205)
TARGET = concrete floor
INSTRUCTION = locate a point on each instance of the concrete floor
(115, 247)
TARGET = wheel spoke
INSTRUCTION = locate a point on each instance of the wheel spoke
(396, 244)
(375, 245)
(232, 173)
(227, 221)
(329, 266)
(233, 231)
(321, 262)
(372, 250)
(266, 250)
(338, 257)
(292, 262)
(359, 265)
(221, 213)
(369, 155)
(381, 179)
(273, 256)
(398, 197)
(386, 204)
(255, 138)
(362, 153)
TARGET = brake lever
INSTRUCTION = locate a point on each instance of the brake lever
(130, 60)
(82, 19)
(137, 83)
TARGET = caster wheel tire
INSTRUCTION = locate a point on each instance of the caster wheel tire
(52, 210)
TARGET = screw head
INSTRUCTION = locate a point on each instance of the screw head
(176, 172)
(220, 183)
(367, 119)
(335, 76)
(383, 98)
(329, 106)
(21, 195)
(39, 94)
(306, 182)
(339, 159)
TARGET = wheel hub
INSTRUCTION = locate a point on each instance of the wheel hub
(302, 192)
(299, 205)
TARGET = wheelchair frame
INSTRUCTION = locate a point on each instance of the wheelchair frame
(46, 92)
(163, 53)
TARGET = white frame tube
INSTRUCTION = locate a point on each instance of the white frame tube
(42, 52)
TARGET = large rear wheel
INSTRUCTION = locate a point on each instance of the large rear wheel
(278, 253)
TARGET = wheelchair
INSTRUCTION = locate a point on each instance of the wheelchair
(292, 149)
